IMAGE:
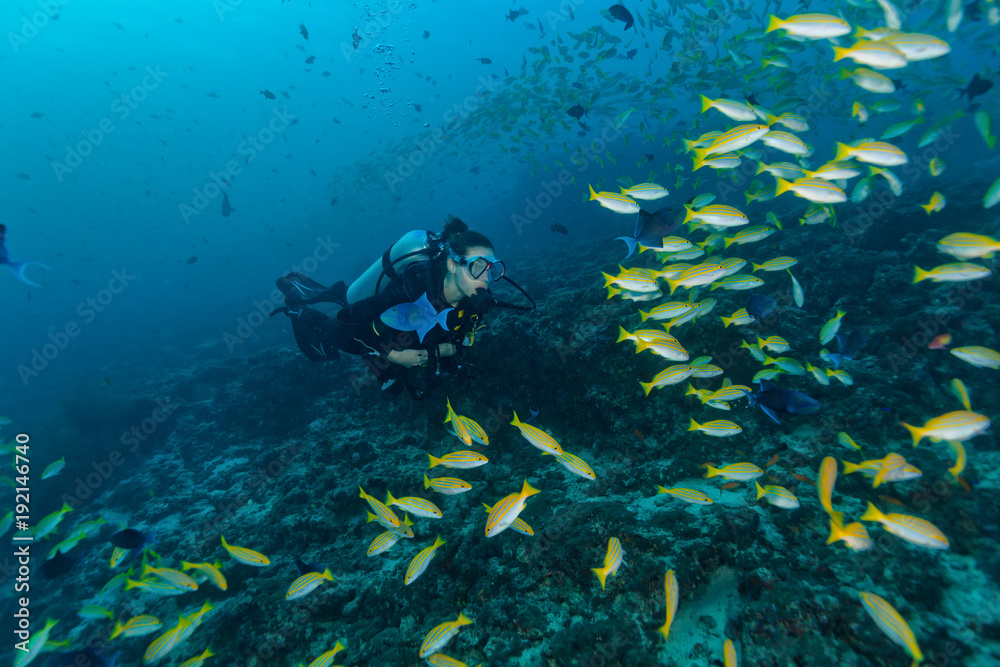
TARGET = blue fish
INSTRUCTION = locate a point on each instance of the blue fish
(418, 316)
(760, 306)
(534, 413)
(306, 568)
(775, 401)
(17, 268)
(849, 345)
(651, 228)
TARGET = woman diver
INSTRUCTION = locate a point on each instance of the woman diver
(439, 289)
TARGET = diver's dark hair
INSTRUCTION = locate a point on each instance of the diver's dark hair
(458, 237)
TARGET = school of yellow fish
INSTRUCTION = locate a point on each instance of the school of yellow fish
(873, 50)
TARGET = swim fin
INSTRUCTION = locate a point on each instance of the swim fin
(300, 289)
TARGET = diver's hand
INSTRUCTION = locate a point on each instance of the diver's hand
(408, 358)
(447, 349)
(483, 301)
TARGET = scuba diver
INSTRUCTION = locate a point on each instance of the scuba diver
(437, 291)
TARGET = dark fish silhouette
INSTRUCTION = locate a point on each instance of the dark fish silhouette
(485, 61)
(192, 260)
(512, 15)
(58, 565)
(560, 229)
(427, 34)
(978, 86)
(751, 99)
(310, 60)
(267, 94)
(650, 156)
(631, 54)
(306, 568)
(130, 538)
(973, 12)
(775, 401)
(760, 306)
(356, 39)
(303, 31)
(577, 111)
(621, 14)
(226, 206)
(849, 345)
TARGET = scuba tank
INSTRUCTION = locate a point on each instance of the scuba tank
(416, 246)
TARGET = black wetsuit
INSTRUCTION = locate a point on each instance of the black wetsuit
(358, 329)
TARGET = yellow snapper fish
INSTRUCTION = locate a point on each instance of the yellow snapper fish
(615, 202)
(968, 246)
(958, 449)
(307, 583)
(386, 516)
(880, 55)
(778, 496)
(951, 273)
(447, 485)
(415, 505)
(936, 203)
(613, 560)
(892, 624)
(137, 626)
(574, 464)
(199, 659)
(420, 562)
(936, 166)
(830, 329)
(957, 426)
(518, 526)
(735, 139)
(738, 111)
(383, 542)
(537, 437)
(870, 80)
(505, 512)
(692, 496)
(245, 556)
(461, 430)
(729, 657)
(739, 472)
(439, 637)
(962, 392)
(878, 153)
(645, 191)
(983, 357)
(910, 528)
(700, 274)
(813, 26)
(721, 428)
(854, 535)
(826, 481)
(462, 460)
(672, 593)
